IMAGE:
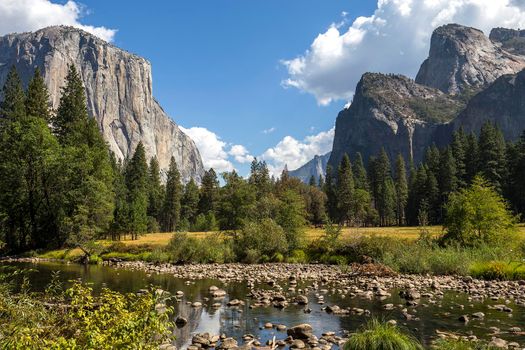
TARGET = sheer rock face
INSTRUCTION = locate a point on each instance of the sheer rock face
(394, 112)
(463, 58)
(502, 103)
(315, 167)
(118, 89)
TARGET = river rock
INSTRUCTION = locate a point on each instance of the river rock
(228, 343)
(302, 331)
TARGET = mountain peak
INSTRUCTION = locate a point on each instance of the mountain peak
(462, 59)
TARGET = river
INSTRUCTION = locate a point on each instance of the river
(441, 314)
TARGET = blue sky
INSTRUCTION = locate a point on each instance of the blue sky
(216, 64)
(263, 78)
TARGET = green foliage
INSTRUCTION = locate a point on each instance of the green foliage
(478, 215)
(183, 248)
(109, 320)
(460, 344)
(345, 191)
(498, 270)
(136, 176)
(172, 206)
(381, 336)
(37, 102)
(13, 97)
(260, 239)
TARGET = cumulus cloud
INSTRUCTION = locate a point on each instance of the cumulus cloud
(293, 153)
(240, 154)
(394, 39)
(211, 147)
(30, 15)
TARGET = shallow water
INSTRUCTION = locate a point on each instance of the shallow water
(235, 322)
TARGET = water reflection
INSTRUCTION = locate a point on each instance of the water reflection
(237, 321)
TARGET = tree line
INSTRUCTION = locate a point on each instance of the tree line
(405, 194)
(61, 186)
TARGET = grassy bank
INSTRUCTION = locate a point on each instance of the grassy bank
(403, 249)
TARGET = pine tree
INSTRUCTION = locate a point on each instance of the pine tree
(120, 224)
(172, 200)
(190, 203)
(472, 160)
(37, 102)
(209, 192)
(383, 189)
(345, 190)
(72, 112)
(155, 195)
(459, 146)
(516, 184)
(492, 153)
(260, 178)
(312, 181)
(88, 193)
(13, 104)
(331, 194)
(137, 185)
(361, 180)
(447, 180)
(401, 190)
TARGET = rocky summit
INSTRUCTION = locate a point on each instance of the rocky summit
(463, 58)
(118, 87)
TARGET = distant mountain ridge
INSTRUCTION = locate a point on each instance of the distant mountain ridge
(315, 167)
(119, 91)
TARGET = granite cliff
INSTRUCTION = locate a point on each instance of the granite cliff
(118, 86)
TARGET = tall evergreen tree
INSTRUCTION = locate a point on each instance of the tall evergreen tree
(361, 180)
(155, 193)
(172, 200)
(401, 190)
(459, 145)
(492, 160)
(89, 196)
(345, 190)
(516, 184)
(331, 194)
(190, 203)
(209, 192)
(13, 103)
(37, 102)
(260, 178)
(447, 180)
(472, 160)
(137, 185)
(383, 188)
(120, 224)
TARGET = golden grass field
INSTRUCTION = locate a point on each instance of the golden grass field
(161, 239)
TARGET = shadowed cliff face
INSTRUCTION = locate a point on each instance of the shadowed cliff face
(118, 90)
(393, 112)
(463, 58)
(502, 103)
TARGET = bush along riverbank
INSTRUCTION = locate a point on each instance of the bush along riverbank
(480, 239)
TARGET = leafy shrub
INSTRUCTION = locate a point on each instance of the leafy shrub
(297, 256)
(478, 215)
(263, 238)
(379, 336)
(460, 344)
(109, 320)
(212, 248)
(205, 223)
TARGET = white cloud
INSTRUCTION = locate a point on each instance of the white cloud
(30, 15)
(240, 154)
(211, 148)
(269, 131)
(395, 39)
(294, 153)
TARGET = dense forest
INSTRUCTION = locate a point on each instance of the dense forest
(61, 186)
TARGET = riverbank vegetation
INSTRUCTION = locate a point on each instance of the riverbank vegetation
(76, 318)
